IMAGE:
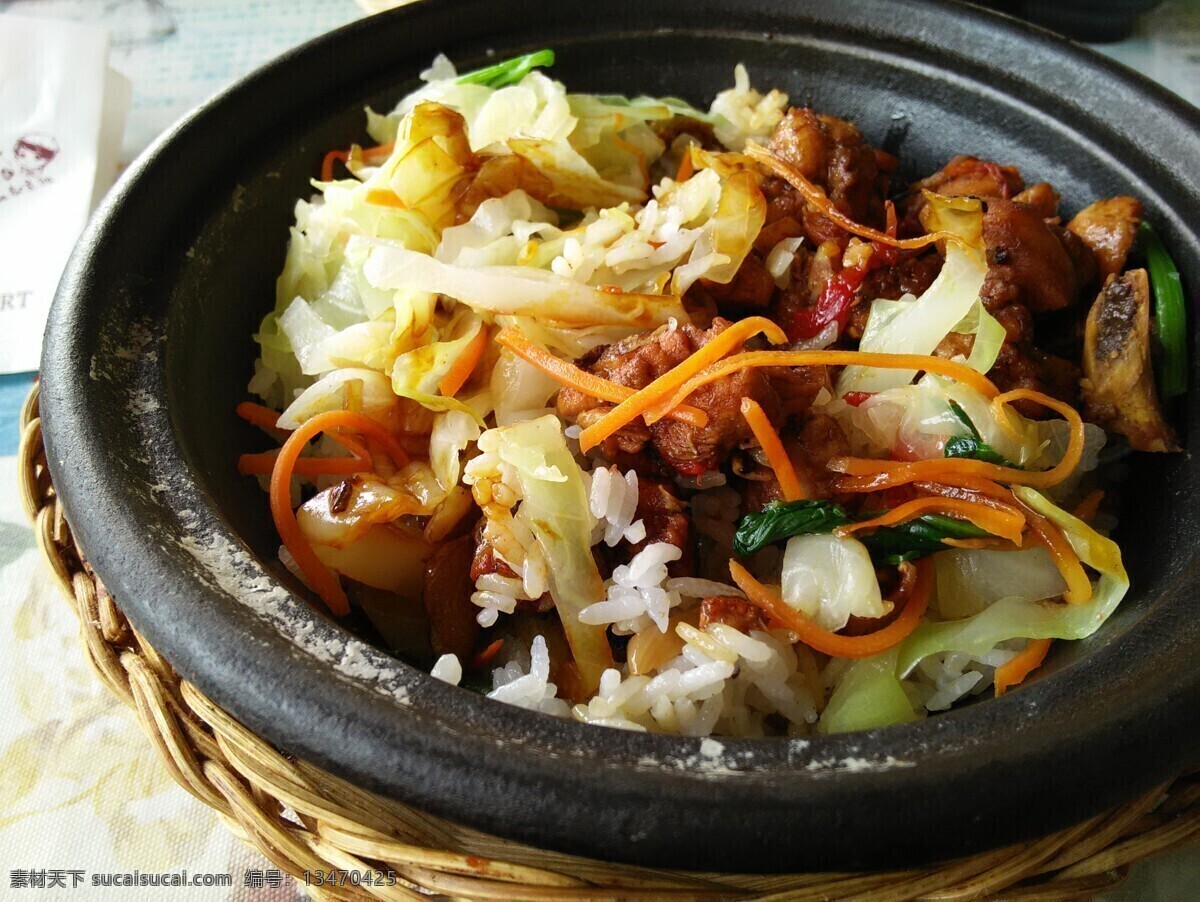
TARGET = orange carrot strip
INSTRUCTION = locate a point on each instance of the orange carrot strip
(1074, 452)
(460, 371)
(320, 577)
(777, 457)
(263, 463)
(380, 152)
(581, 380)
(266, 418)
(980, 489)
(1087, 509)
(1014, 671)
(816, 197)
(258, 415)
(822, 640)
(1079, 587)
(939, 365)
(1006, 523)
(645, 398)
(351, 444)
(327, 163)
(480, 660)
(945, 469)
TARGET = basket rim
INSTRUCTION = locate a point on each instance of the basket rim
(523, 767)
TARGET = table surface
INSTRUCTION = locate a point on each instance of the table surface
(83, 793)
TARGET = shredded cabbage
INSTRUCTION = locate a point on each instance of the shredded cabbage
(830, 579)
(555, 506)
(868, 696)
(950, 304)
(519, 290)
(917, 326)
(1014, 618)
(416, 374)
(971, 579)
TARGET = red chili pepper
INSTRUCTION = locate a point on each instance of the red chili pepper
(833, 305)
(837, 297)
(855, 398)
(695, 468)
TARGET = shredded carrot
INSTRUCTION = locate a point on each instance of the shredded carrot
(768, 438)
(817, 198)
(379, 152)
(1087, 509)
(977, 489)
(976, 543)
(1079, 587)
(370, 154)
(1007, 523)
(258, 415)
(1014, 671)
(330, 159)
(262, 464)
(479, 661)
(895, 472)
(643, 399)
(822, 640)
(939, 365)
(581, 380)
(384, 197)
(460, 371)
(351, 444)
(1073, 454)
(320, 577)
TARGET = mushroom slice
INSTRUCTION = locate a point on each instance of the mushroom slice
(1118, 384)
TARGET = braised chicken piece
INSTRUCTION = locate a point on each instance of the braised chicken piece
(1027, 262)
(666, 519)
(748, 292)
(1042, 198)
(812, 271)
(1108, 228)
(639, 360)
(1118, 385)
(832, 154)
(731, 611)
(820, 439)
(449, 582)
(966, 176)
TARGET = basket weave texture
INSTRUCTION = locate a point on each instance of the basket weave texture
(306, 820)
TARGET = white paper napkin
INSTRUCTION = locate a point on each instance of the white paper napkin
(62, 115)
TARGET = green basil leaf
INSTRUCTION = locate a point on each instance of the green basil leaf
(784, 519)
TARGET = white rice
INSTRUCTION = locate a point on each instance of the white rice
(636, 598)
(497, 490)
(448, 669)
(613, 500)
(748, 115)
(529, 687)
(944, 679)
(723, 681)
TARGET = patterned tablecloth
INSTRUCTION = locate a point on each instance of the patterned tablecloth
(82, 795)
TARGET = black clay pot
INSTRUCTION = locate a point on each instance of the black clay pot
(149, 350)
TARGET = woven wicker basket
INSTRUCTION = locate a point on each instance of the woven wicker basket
(306, 820)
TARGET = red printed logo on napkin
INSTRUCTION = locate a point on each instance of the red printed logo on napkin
(26, 169)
